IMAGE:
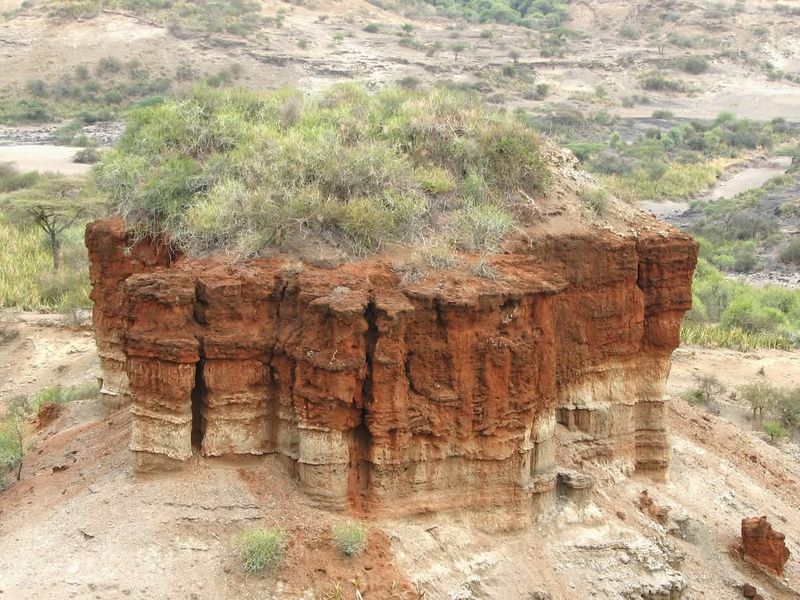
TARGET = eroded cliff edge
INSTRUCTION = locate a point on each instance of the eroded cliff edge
(389, 398)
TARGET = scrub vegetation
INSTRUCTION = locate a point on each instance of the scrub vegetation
(679, 161)
(239, 171)
(730, 314)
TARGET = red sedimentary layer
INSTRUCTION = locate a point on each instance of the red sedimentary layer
(383, 397)
(764, 545)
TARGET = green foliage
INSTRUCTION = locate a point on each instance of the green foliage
(260, 549)
(774, 430)
(596, 200)
(54, 204)
(731, 314)
(528, 13)
(629, 32)
(24, 111)
(62, 394)
(234, 17)
(787, 409)
(26, 280)
(760, 396)
(663, 114)
(660, 83)
(350, 537)
(457, 48)
(693, 64)
(675, 180)
(713, 335)
(675, 162)
(708, 387)
(791, 253)
(87, 156)
(87, 99)
(239, 170)
(13, 442)
(11, 180)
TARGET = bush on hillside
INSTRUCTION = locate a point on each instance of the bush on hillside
(260, 549)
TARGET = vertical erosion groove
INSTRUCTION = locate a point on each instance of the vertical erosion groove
(199, 392)
(360, 468)
(198, 401)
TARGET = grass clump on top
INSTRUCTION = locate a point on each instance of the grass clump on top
(239, 171)
(260, 549)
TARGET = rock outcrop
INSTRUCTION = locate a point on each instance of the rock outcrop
(382, 397)
(764, 545)
(114, 260)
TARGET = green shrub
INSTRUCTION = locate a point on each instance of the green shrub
(108, 65)
(694, 64)
(731, 314)
(37, 87)
(663, 114)
(542, 13)
(372, 28)
(62, 394)
(791, 253)
(629, 32)
(227, 170)
(26, 279)
(260, 549)
(774, 430)
(87, 156)
(596, 200)
(660, 83)
(13, 442)
(350, 537)
(12, 180)
(760, 396)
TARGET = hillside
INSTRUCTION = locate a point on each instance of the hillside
(418, 271)
(87, 527)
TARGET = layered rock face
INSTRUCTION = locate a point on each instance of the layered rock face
(763, 544)
(443, 394)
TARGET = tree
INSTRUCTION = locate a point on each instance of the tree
(457, 49)
(774, 430)
(514, 55)
(787, 409)
(12, 441)
(54, 205)
(709, 386)
(760, 396)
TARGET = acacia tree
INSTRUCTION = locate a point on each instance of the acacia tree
(54, 205)
(457, 49)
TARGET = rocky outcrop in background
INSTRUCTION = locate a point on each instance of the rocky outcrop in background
(764, 545)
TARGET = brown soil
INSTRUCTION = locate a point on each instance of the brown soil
(37, 351)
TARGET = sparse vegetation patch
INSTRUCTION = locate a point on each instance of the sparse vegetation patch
(350, 537)
(260, 550)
